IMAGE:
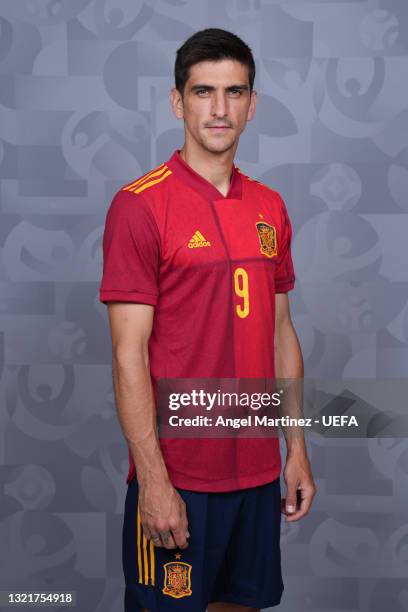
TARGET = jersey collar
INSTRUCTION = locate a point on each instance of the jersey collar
(200, 184)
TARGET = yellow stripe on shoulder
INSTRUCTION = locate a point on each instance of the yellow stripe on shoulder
(145, 177)
(150, 183)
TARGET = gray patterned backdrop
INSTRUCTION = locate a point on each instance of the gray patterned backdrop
(84, 108)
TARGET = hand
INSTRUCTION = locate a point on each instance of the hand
(300, 487)
(163, 514)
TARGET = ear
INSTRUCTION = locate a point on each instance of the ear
(252, 105)
(176, 102)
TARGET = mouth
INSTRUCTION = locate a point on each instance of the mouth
(218, 128)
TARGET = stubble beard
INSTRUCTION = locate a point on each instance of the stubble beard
(217, 147)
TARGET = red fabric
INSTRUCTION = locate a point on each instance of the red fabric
(197, 332)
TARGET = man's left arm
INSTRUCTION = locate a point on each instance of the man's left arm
(289, 365)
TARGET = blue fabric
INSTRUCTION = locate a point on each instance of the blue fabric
(233, 553)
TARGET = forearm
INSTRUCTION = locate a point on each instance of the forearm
(289, 367)
(137, 415)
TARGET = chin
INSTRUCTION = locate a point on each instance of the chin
(218, 147)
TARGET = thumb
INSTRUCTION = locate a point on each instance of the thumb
(291, 498)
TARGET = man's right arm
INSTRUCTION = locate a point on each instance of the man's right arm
(162, 510)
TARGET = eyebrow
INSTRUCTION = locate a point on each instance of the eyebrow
(212, 88)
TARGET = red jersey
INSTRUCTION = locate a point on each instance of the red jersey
(210, 265)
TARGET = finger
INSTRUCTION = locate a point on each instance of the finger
(180, 537)
(296, 516)
(157, 542)
(184, 522)
(156, 538)
(305, 502)
(306, 498)
(150, 534)
(167, 539)
(291, 497)
(184, 527)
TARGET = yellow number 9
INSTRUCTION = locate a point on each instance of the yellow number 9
(241, 276)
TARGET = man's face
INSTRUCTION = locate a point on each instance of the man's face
(216, 104)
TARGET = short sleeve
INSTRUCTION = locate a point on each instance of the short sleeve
(131, 252)
(284, 274)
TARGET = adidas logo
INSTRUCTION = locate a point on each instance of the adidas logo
(198, 240)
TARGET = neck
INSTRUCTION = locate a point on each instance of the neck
(215, 168)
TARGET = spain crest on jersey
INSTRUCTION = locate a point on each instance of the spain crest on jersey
(177, 579)
(267, 238)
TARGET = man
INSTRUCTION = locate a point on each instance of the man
(197, 267)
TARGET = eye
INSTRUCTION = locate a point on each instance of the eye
(235, 92)
(201, 91)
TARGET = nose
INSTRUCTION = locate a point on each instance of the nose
(219, 105)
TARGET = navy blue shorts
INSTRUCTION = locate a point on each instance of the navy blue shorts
(233, 553)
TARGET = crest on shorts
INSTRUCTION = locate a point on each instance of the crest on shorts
(177, 579)
(267, 238)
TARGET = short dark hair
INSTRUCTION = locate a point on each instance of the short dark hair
(211, 44)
